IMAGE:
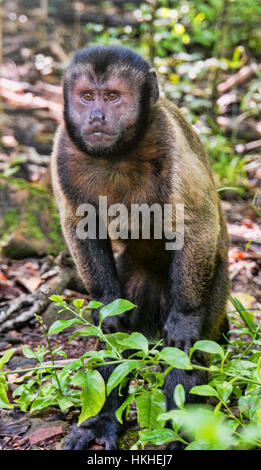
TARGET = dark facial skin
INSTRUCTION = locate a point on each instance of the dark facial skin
(105, 115)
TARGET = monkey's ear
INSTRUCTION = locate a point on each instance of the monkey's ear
(154, 88)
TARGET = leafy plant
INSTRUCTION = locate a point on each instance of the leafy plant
(231, 421)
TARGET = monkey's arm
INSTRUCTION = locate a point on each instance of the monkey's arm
(93, 257)
(94, 261)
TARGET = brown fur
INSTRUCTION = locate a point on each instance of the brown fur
(169, 166)
(182, 294)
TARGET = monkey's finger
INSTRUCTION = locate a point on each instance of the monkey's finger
(109, 444)
(84, 441)
(177, 445)
(78, 439)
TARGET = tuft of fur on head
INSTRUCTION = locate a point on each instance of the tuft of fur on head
(100, 62)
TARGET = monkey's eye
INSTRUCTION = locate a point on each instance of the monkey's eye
(87, 96)
(113, 96)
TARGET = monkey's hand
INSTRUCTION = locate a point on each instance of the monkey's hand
(98, 430)
(113, 325)
(182, 331)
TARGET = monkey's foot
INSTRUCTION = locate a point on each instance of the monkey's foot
(176, 336)
(92, 432)
(176, 445)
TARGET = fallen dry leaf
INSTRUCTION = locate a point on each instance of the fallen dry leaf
(31, 283)
(44, 433)
(235, 254)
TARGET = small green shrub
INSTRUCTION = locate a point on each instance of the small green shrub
(233, 421)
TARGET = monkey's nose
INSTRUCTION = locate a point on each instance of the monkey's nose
(97, 115)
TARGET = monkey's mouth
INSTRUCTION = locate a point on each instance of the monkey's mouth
(98, 136)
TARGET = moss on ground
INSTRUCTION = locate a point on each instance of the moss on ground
(30, 223)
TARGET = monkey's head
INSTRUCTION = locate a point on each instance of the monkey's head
(108, 95)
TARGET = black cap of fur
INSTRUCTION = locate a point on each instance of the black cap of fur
(103, 57)
(102, 61)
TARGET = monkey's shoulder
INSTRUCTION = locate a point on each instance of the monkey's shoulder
(183, 131)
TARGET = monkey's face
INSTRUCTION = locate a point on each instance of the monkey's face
(103, 116)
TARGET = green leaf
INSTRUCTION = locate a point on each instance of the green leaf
(204, 390)
(78, 303)
(200, 423)
(199, 445)
(209, 346)
(56, 298)
(61, 353)
(92, 396)
(6, 357)
(179, 396)
(92, 331)
(248, 405)
(115, 340)
(158, 437)
(176, 358)
(94, 304)
(43, 402)
(224, 390)
(98, 355)
(60, 325)
(251, 433)
(174, 415)
(79, 378)
(116, 307)
(228, 188)
(3, 381)
(27, 352)
(247, 317)
(135, 341)
(120, 372)
(149, 405)
(64, 403)
(4, 402)
(72, 366)
(123, 406)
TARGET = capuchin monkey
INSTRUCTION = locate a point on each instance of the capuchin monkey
(119, 139)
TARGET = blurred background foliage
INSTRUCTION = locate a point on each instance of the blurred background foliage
(194, 46)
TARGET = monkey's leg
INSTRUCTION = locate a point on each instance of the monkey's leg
(104, 428)
(95, 263)
(209, 321)
(198, 293)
